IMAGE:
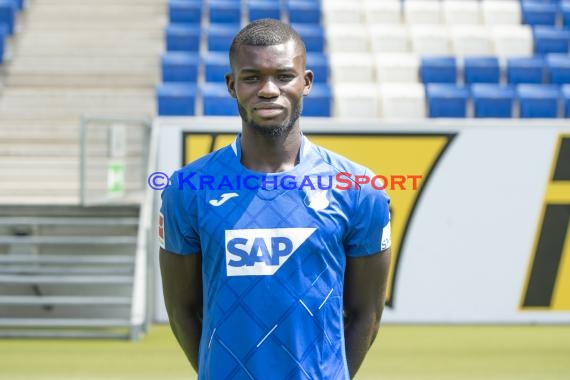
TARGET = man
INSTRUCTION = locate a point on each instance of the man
(264, 280)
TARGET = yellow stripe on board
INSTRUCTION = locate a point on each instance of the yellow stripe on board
(196, 146)
(561, 294)
(558, 192)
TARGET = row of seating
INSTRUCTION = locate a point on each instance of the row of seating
(532, 12)
(391, 101)
(232, 12)
(8, 12)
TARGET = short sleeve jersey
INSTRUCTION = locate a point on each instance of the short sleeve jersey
(274, 249)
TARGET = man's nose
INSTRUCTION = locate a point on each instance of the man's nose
(269, 89)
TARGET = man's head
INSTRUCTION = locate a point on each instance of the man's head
(268, 77)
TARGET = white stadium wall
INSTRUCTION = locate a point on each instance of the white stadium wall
(485, 236)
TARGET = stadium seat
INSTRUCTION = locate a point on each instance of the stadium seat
(224, 12)
(565, 13)
(501, 12)
(397, 67)
(438, 70)
(538, 13)
(401, 101)
(185, 11)
(3, 36)
(8, 11)
(471, 40)
(446, 100)
(304, 12)
(566, 99)
(538, 100)
(180, 37)
(176, 99)
(382, 12)
(313, 35)
(216, 66)
(430, 40)
(525, 70)
(220, 36)
(558, 68)
(461, 12)
(355, 99)
(347, 38)
(258, 9)
(216, 101)
(342, 12)
(319, 101)
(512, 40)
(548, 39)
(180, 67)
(389, 39)
(481, 70)
(492, 100)
(319, 64)
(422, 12)
(352, 67)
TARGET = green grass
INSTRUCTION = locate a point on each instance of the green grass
(400, 352)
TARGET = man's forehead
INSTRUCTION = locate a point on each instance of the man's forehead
(281, 53)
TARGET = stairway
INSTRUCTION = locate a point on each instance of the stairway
(96, 58)
(68, 271)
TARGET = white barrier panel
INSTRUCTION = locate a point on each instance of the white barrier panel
(485, 235)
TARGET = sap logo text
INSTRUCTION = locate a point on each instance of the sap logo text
(261, 252)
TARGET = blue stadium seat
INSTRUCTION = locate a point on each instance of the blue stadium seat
(304, 12)
(185, 11)
(558, 68)
(492, 100)
(481, 70)
(438, 69)
(180, 67)
(549, 39)
(538, 13)
(258, 9)
(217, 101)
(220, 36)
(8, 10)
(216, 65)
(313, 35)
(566, 98)
(180, 37)
(319, 64)
(3, 36)
(538, 100)
(224, 12)
(318, 102)
(565, 11)
(446, 100)
(176, 99)
(525, 70)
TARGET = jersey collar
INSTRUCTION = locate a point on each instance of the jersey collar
(305, 147)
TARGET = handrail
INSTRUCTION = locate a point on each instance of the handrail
(140, 315)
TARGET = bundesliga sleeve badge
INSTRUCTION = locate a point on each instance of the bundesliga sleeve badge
(161, 230)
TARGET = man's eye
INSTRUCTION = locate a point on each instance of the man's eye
(286, 77)
(251, 78)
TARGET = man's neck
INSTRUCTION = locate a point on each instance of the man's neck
(270, 154)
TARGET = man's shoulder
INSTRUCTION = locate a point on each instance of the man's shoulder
(338, 162)
(210, 162)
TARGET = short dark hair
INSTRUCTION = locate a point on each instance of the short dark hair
(265, 32)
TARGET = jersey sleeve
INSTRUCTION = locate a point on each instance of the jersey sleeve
(369, 230)
(177, 220)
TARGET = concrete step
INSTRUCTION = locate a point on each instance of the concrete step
(69, 279)
(63, 300)
(69, 240)
(63, 322)
(76, 259)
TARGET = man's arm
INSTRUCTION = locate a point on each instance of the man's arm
(182, 288)
(364, 296)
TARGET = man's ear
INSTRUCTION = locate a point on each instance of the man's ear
(309, 76)
(230, 83)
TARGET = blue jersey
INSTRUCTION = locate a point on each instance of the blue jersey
(274, 249)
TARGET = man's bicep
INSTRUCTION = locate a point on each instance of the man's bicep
(365, 282)
(181, 278)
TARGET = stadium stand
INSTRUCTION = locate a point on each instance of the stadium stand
(461, 42)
